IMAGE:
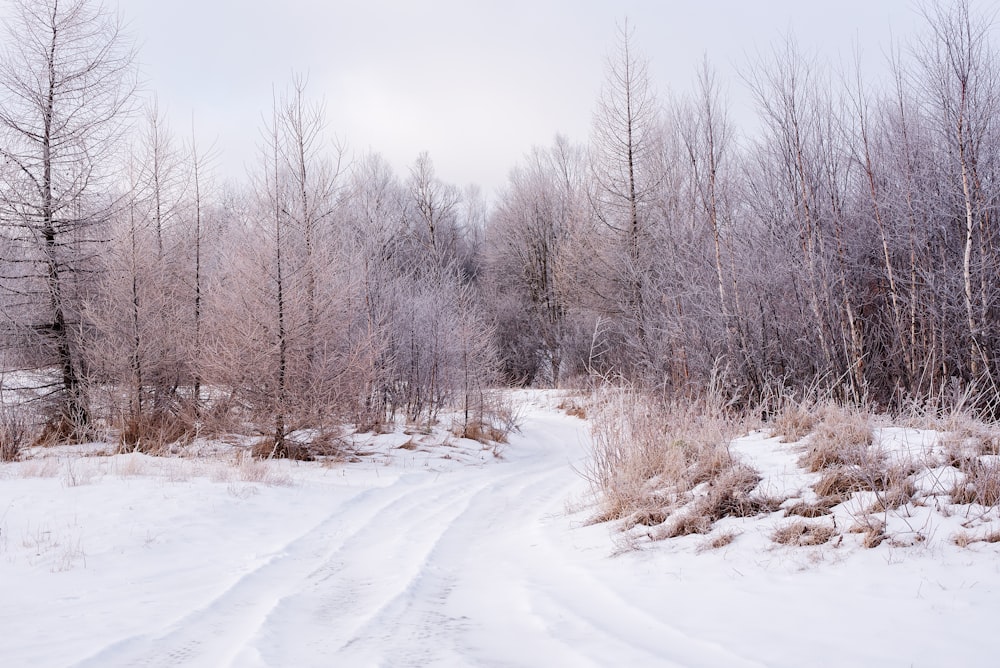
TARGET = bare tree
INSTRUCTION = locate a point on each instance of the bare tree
(626, 177)
(66, 80)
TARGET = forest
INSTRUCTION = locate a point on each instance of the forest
(846, 246)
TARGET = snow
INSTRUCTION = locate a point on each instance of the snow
(442, 554)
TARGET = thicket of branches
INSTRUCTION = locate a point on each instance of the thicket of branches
(851, 244)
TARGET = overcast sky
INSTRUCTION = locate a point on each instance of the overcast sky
(475, 83)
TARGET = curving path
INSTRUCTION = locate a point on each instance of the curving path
(476, 566)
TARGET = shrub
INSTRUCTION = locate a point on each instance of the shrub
(151, 432)
(13, 434)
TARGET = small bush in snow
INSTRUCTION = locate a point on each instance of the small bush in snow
(13, 434)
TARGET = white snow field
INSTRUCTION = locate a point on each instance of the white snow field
(444, 556)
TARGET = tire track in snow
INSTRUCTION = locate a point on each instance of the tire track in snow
(214, 633)
(470, 567)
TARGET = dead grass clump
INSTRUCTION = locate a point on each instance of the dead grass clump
(802, 534)
(328, 444)
(285, 448)
(963, 539)
(842, 438)
(481, 430)
(58, 430)
(841, 482)
(685, 524)
(897, 493)
(648, 455)
(808, 510)
(572, 408)
(981, 484)
(873, 537)
(647, 518)
(729, 494)
(13, 435)
(151, 432)
(723, 539)
(794, 421)
(967, 435)
(251, 468)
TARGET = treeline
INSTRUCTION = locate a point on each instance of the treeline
(848, 245)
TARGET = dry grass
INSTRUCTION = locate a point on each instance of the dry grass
(794, 421)
(668, 465)
(841, 482)
(873, 537)
(981, 484)
(573, 408)
(40, 468)
(722, 539)
(965, 539)
(481, 430)
(152, 432)
(59, 430)
(896, 490)
(808, 510)
(286, 448)
(843, 437)
(684, 524)
(802, 534)
(13, 435)
(250, 468)
(968, 436)
(496, 418)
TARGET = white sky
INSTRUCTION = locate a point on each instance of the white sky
(475, 83)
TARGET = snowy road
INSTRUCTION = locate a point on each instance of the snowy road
(470, 567)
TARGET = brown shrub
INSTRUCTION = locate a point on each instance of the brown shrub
(151, 432)
(286, 448)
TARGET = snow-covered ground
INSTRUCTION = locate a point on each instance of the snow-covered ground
(447, 556)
